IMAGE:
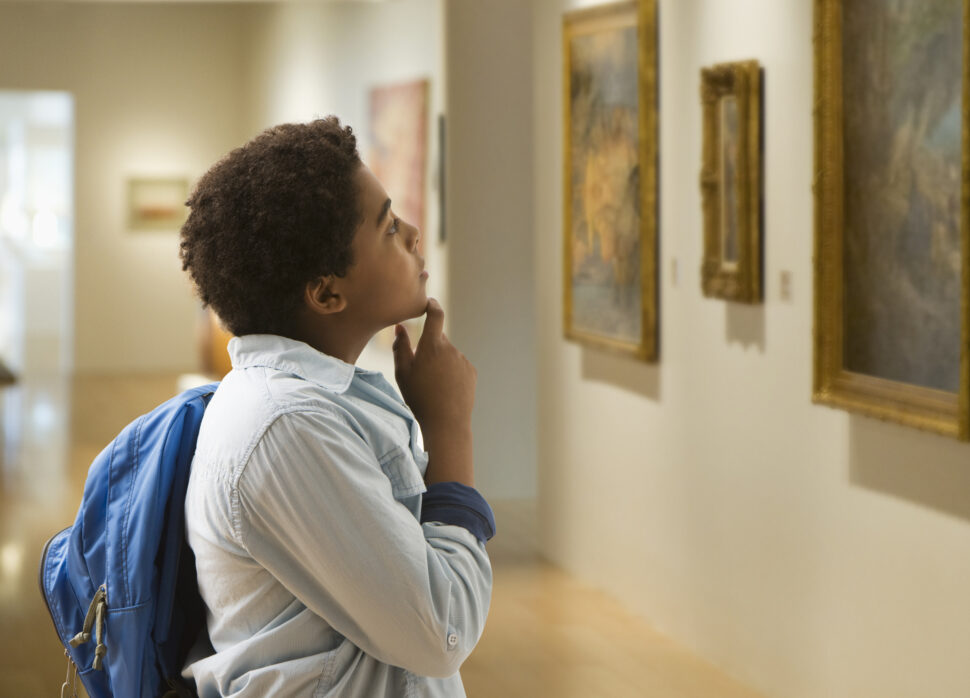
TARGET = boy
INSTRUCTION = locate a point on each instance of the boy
(335, 557)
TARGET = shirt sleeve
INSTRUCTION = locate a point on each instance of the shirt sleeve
(313, 506)
(460, 505)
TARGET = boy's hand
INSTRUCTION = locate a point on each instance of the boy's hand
(436, 380)
(438, 383)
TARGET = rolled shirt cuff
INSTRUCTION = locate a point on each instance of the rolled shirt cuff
(459, 505)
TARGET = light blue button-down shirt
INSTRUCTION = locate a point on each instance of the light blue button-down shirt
(303, 510)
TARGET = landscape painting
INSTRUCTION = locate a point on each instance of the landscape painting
(891, 236)
(903, 157)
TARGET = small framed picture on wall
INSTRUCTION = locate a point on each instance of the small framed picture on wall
(731, 185)
(157, 203)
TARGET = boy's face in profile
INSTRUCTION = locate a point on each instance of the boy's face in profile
(386, 283)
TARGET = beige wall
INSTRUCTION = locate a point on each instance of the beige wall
(490, 218)
(158, 91)
(808, 552)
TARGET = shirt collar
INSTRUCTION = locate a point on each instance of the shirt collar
(293, 356)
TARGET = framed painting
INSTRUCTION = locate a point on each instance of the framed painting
(157, 203)
(731, 181)
(398, 133)
(892, 271)
(610, 177)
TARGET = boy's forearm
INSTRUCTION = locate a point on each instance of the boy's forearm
(450, 457)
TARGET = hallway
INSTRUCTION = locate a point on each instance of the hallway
(547, 635)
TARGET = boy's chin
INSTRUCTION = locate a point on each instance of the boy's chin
(420, 306)
(416, 311)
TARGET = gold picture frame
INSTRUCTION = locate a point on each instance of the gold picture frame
(610, 147)
(840, 192)
(730, 181)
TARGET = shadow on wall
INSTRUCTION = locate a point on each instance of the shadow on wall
(919, 467)
(745, 324)
(622, 372)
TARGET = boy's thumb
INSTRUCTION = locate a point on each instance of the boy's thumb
(403, 354)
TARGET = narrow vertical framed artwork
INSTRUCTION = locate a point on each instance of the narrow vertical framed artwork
(398, 132)
(441, 176)
(892, 240)
(610, 178)
(730, 181)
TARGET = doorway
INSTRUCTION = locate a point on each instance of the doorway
(36, 232)
(36, 284)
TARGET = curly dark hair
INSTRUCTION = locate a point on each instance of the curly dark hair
(269, 217)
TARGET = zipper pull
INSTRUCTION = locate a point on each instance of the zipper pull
(94, 618)
(100, 650)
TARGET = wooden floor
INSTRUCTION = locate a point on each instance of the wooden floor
(547, 634)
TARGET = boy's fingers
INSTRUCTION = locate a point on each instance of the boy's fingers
(435, 321)
(401, 347)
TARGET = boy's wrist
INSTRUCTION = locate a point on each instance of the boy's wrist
(450, 456)
(446, 436)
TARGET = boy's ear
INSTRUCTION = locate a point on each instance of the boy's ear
(321, 296)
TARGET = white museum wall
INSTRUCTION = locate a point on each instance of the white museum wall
(310, 60)
(159, 91)
(803, 550)
(490, 221)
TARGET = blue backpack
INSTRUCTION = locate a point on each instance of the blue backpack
(120, 583)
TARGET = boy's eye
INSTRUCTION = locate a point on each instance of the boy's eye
(395, 226)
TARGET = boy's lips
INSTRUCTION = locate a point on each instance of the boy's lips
(424, 274)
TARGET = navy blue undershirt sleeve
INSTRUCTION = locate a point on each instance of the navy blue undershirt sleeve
(459, 505)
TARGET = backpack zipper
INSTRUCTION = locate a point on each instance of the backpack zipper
(94, 618)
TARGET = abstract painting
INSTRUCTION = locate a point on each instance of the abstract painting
(609, 204)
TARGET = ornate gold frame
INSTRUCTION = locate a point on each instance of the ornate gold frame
(742, 80)
(938, 411)
(643, 15)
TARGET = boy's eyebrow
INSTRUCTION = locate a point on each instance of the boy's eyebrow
(384, 209)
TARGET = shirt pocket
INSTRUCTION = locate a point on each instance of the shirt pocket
(399, 467)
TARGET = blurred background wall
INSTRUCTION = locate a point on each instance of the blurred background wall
(159, 90)
(165, 89)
